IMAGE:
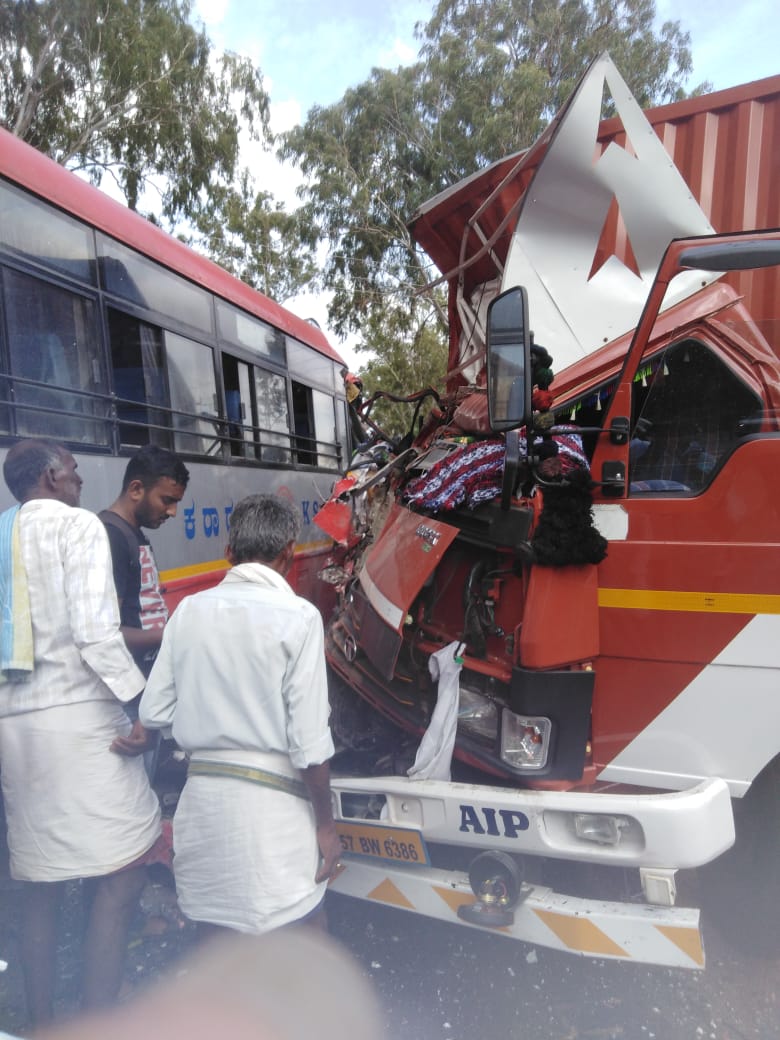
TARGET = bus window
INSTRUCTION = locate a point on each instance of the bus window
(139, 380)
(140, 281)
(304, 363)
(272, 416)
(243, 330)
(53, 343)
(40, 233)
(342, 434)
(315, 427)
(238, 404)
(195, 419)
(305, 443)
(325, 430)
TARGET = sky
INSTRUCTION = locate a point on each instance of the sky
(311, 51)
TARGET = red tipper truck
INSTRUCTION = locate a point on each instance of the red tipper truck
(567, 589)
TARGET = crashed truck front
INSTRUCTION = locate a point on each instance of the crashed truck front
(471, 587)
(568, 579)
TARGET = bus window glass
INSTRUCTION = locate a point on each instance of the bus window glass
(238, 404)
(193, 389)
(341, 433)
(234, 326)
(136, 279)
(52, 341)
(272, 416)
(325, 430)
(139, 380)
(307, 363)
(40, 233)
(305, 442)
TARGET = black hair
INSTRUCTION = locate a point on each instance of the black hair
(151, 463)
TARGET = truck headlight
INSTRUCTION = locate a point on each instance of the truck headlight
(477, 715)
(525, 740)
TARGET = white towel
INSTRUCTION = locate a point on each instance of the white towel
(16, 638)
(434, 755)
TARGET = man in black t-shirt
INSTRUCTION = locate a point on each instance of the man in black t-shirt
(154, 482)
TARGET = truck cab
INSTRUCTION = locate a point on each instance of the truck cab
(564, 590)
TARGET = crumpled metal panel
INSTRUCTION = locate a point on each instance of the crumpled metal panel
(726, 146)
(578, 299)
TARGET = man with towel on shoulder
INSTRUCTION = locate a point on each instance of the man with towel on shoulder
(76, 805)
(240, 677)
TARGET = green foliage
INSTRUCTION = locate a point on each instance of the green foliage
(409, 349)
(368, 161)
(127, 87)
(252, 236)
(496, 72)
(489, 76)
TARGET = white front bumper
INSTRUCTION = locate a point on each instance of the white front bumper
(676, 830)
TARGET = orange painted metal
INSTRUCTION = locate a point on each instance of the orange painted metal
(561, 617)
(410, 549)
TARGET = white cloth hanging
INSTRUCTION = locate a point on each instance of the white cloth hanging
(434, 755)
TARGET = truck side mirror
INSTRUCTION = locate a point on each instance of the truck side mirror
(509, 360)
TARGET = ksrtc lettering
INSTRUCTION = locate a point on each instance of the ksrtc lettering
(210, 521)
(309, 509)
(189, 521)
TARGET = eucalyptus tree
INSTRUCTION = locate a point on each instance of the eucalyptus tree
(251, 234)
(488, 77)
(128, 89)
(406, 352)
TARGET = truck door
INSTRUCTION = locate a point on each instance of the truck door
(689, 598)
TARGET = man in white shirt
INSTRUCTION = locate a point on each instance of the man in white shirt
(76, 805)
(240, 680)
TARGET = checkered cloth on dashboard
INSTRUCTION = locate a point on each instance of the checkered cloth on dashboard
(473, 474)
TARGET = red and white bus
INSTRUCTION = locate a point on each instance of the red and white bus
(114, 334)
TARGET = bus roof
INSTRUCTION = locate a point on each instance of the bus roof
(30, 169)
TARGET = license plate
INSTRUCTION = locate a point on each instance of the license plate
(394, 843)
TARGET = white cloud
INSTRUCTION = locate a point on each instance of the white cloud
(211, 12)
(399, 53)
(284, 114)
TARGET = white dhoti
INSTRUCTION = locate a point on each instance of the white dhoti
(74, 808)
(245, 855)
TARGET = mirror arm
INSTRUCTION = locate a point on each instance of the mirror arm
(511, 468)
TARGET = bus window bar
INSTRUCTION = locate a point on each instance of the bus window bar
(224, 435)
(79, 421)
(243, 436)
(36, 384)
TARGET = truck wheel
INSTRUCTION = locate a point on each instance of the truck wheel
(741, 889)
